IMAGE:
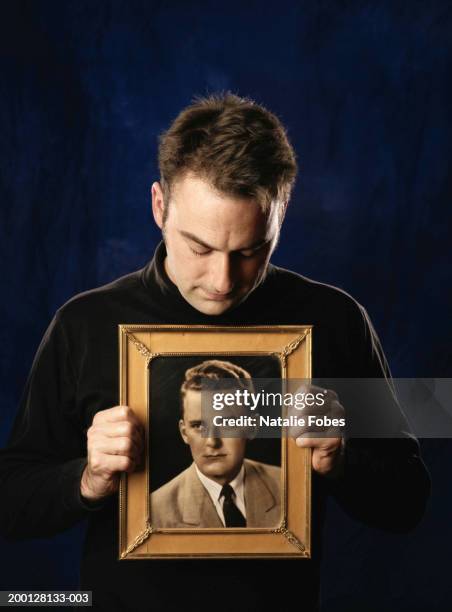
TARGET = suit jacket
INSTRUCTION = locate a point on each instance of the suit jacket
(184, 502)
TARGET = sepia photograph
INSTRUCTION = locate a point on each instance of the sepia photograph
(209, 480)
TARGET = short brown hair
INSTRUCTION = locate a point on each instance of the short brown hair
(213, 369)
(235, 144)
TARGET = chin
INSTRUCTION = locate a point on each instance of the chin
(210, 307)
(215, 308)
(213, 473)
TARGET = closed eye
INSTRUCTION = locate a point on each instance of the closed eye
(251, 252)
(199, 253)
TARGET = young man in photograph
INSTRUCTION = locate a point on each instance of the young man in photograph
(220, 488)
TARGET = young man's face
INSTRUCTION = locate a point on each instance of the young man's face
(218, 247)
(220, 459)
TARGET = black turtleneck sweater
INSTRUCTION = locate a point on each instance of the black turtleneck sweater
(75, 374)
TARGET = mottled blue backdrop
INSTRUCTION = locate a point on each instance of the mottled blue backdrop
(365, 90)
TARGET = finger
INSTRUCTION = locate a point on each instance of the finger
(337, 410)
(117, 413)
(332, 408)
(119, 446)
(329, 421)
(123, 429)
(104, 435)
(306, 442)
(102, 463)
(324, 461)
(323, 443)
(305, 388)
(330, 394)
(320, 420)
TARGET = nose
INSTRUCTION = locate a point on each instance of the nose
(213, 442)
(222, 274)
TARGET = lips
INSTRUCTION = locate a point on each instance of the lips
(214, 456)
(218, 297)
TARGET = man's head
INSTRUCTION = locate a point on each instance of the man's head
(227, 170)
(217, 458)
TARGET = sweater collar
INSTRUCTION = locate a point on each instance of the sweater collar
(162, 287)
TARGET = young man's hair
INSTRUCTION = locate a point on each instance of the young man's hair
(214, 369)
(239, 147)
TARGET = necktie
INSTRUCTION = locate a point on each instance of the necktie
(232, 515)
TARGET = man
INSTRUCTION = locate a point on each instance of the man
(226, 173)
(220, 488)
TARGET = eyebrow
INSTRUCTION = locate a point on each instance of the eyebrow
(190, 236)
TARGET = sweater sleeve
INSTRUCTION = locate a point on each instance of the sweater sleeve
(384, 481)
(41, 466)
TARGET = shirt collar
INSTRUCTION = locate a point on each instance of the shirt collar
(214, 489)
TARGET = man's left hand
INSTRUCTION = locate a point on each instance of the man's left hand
(327, 456)
(327, 451)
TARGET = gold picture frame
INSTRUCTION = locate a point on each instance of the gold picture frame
(140, 345)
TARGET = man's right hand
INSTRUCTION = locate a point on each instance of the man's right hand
(115, 445)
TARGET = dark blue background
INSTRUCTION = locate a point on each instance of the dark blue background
(365, 90)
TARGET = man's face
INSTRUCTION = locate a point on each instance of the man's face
(219, 459)
(218, 246)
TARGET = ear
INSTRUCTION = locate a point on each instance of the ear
(158, 203)
(182, 430)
